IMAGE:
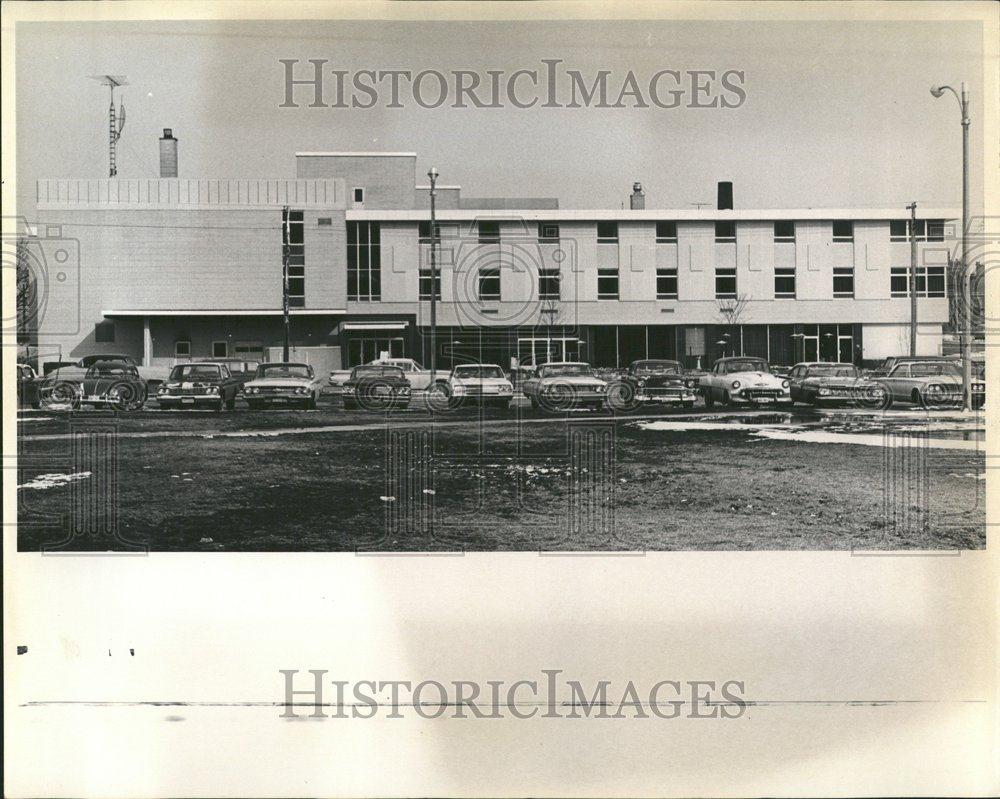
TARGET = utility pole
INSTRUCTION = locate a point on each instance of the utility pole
(285, 238)
(433, 175)
(913, 277)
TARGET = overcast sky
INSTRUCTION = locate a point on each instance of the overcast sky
(836, 114)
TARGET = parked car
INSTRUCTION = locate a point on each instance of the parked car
(657, 381)
(885, 366)
(483, 383)
(744, 380)
(564, 385)
(929, 384)
(199, 384)
(376, 387)
(418, 377)
(114, 384)
(76, 370)
(243, 371)
(819, 382)
(282, 384)
(27, 386)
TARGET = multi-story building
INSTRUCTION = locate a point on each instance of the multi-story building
(172, 269)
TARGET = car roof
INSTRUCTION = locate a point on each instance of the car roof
(477, 366)
(283, 363)
(109, 364)
(823, 363)
(742, 358)
(565, 363)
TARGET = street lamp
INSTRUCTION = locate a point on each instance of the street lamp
(433, 175)
(966, 335)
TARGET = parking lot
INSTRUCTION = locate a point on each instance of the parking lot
(470, 479)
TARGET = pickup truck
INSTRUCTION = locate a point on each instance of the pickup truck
(418, 377)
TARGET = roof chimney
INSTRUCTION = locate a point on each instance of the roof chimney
(168, 154)
(637, 201)
(725, 202)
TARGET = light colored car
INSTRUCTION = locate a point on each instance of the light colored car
(484, 383)
(565, 385)
(743, 380)
(282, 384)
(816, 383)
(929, 384)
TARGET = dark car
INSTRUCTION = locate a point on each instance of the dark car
(819, 382)
(114, 384)
(199, 384)
(657, 381)
(243, 371)
(27, 386)
(376, 387)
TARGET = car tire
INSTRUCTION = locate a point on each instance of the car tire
(220, 405)
(726, 399)
(709, 398)
(534, 402)
(919, 399)
(311, 403)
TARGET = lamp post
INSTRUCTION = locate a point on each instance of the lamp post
(966, 335)
(433, 175)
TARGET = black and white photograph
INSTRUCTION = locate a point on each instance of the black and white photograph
(416, 284)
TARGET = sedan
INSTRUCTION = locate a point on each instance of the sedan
(282, 384)
(563, 386)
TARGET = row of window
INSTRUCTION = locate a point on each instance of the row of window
(930, 283)
(666, 232)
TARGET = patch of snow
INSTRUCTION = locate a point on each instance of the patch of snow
(45, 481)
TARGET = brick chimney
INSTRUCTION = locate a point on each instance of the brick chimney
(168, 154)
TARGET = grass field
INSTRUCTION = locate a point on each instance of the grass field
(504, 487)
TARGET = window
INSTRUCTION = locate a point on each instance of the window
(548, 283)
(424, 232)
(843, 230)
(784, 282)
(666, 232)
(607, 233)
(666, 284)
(548, 233)
(359, 195)
(930, 281)
(725, 283)
(784, 231)
(489, 283)
(725, 232)
(924, 230)
(364, 262)
(843, 281)
(325, 221)
(293, 239)
(182, 349)
(220, 349)
(489, 232)
(104, 333)
(425, 284)
(607, 284)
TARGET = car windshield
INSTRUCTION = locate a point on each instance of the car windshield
(565, 370)
(656, 368)
(273, 370)
(474, 372)
(745, 365)
(195, 371)
(931, 369)
(832, 370)
(377, 371)
(108, 371)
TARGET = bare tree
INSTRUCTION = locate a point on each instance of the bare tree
(26, 296)
(732, 312)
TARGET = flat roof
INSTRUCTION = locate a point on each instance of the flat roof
(220, 311)
(385, 155)
(653, 214)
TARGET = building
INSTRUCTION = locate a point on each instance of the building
(172, 269)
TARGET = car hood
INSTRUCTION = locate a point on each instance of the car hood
(279, 382)
(833, 380)
(662, 379)
(755, 379)
(201, 381)
(481, 381)
(574, 380)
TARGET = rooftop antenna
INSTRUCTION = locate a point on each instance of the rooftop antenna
(115, 122)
